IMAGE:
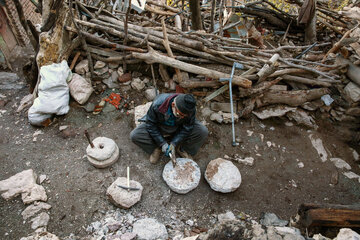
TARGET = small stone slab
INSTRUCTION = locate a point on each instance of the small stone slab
(184, 177)
(150, 229)
(82, 67)
(121, 197)
(222, 175)
(140, 111)
(105, 152)
(40, 221)
(31, 210)
(23, 183)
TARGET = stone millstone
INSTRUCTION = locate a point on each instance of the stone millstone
(184, 177)
(105, 152)
(222, 175)
(121, 197)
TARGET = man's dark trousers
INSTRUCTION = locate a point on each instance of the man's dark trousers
(191, 144)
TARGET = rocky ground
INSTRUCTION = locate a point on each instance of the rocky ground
(291, 165)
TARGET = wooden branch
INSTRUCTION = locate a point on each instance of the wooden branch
(291, 98)
(103, 51)
(115, 59)
(168, 49)
(306, 81)
(273, 20)
(113, 31)
(198, 84)
(249, 106)
(192, 59)
(306, 68)
(329, 215)
(258, 88)
(84, 9)
(212, 15)
(64, 55)
(53, 15)
(163, 73)
(105, 42)
(173, 38)
(175, 10)
(339, 45)
(332, 27)
(34, 33)
(159, 12)
(154, 39)
(126, 32)
(153, 56)
(221, 15)
(268, 68)
(74, 60)
(91, 66)
(293, 47)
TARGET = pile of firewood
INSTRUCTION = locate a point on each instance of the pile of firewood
(278, 69)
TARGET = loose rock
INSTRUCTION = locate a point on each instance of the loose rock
(270, 219)
(34, 208)
(40, 221)
(341, 164)
(289, 233)
(121, 197)
(318, 145)
(353, 91)
(41, 236)
(222, 175)
(184, 177)
(99, 64)
(150, 229)
(347, 234)
(112, 81)
(137, 84)
(150, 94)
(277, 111)
(216, 117)
(102, 71)
(206, 112)
(302, 118)
(228, 216)
(125, 78)
(23, 183)
(82, 67)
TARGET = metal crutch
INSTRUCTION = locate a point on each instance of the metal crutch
(239, 66)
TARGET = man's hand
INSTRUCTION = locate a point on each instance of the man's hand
(164, 147)
(167, 149)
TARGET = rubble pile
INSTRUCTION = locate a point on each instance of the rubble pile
(279, 75)
(121, 225)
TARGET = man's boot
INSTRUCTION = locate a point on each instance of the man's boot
(183, 154)
(155, 156)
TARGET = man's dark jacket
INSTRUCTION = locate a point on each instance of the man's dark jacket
(157, 115)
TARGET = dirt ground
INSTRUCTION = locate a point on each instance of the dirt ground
(76, 190)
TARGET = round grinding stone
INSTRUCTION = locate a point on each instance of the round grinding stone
(184, 177)
(222, 175)
(105, 152)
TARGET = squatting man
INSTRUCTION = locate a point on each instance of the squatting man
(170, 126)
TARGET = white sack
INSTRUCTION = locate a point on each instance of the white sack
(80, 88)
(53, 93)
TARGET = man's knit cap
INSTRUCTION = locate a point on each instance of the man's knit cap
(186, 103)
